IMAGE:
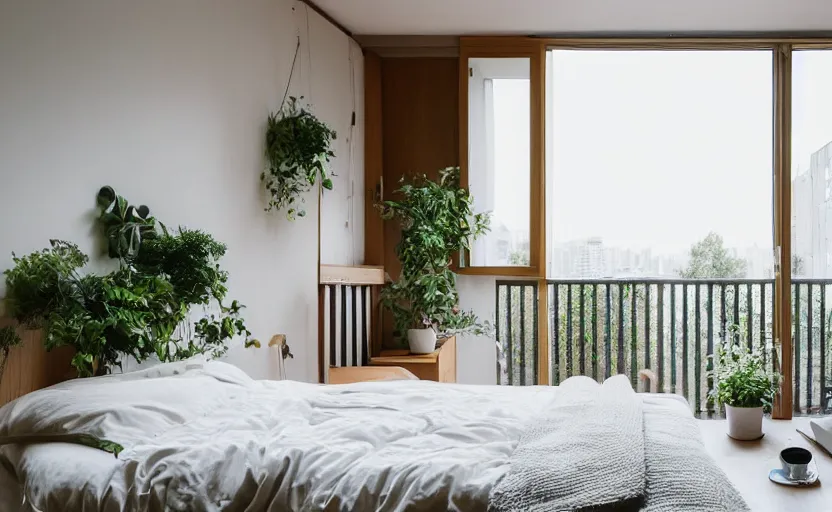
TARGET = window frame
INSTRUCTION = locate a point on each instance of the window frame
(781, 49)
(535, 51)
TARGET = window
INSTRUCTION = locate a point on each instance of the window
(499, 150)
(649, 188)
(501, 155)
(660, 225)
(650, 153)
(811, 222)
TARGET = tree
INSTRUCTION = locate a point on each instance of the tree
(520, 258)
(798, 266)
(710, 258)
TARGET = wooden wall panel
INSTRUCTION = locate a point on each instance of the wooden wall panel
(420, 105)
(30, 367)
(373, 164)
(420, 130)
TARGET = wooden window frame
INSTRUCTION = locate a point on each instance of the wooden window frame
(782, 318)
(535, 48)
(535, 51)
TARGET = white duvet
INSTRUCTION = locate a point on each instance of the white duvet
(207, 437)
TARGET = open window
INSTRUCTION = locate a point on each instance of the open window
(501, 153)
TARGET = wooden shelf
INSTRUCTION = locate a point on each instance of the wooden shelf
(439, 366)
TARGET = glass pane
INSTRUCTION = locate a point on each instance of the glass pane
(811, 235)
(498, 157)
(660, 206)
(811, 160)
(655, 155)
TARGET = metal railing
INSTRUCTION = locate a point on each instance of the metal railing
(603, 327)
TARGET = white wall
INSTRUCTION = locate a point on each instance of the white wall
(166, 101)
(342, 209)
(477, 355)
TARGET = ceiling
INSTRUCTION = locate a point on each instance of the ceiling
(541, 17)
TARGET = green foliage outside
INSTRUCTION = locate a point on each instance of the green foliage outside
(798, 266)
(437, 221)
(584, 350)
(519, 258)
(143, 308)
(297, 151)
(709, 258)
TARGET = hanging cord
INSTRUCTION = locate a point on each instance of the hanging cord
(291, 73)
(308, 55)
(351, 167)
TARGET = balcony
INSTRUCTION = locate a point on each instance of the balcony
(604, 327)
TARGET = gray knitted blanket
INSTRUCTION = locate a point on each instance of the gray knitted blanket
(602, 447)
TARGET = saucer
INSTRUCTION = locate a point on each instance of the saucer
(746, 440)
(778, 476)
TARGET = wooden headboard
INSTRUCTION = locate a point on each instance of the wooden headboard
(30, 367)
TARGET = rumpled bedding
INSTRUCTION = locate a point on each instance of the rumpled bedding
(204, 436)
(603, 448)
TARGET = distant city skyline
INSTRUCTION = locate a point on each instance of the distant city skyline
(592, 259)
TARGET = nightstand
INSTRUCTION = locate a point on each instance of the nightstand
(439, 366)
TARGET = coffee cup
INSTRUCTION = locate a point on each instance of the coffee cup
(795, 462)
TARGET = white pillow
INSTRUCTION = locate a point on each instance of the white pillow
(115, 411)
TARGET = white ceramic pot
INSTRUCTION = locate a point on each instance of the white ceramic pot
(744, 423)
(422, 341)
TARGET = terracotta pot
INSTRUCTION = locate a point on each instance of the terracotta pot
(422, 341)
(744, 423)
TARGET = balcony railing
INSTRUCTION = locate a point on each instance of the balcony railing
(605, 327)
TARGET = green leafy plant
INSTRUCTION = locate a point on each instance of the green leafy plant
(298, 149)
(142, 309)
(437, 221)
(38, 283)
(125, 226)
(740, 376)
(8, 339)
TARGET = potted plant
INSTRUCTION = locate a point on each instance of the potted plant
(437, 221)
(744, 386)
(142, 309)
(298, 151)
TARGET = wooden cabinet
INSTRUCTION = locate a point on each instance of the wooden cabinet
(440, 366)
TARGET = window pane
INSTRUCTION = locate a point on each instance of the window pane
(657, 156)
(498, 157)
(811, 160)
(811, 235)
(661, 212)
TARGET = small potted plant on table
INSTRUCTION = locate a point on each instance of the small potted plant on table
(745, 387)
(437, 222)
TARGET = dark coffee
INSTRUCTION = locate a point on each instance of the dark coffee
(796, 456)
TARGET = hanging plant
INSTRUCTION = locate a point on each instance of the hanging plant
(298, 151)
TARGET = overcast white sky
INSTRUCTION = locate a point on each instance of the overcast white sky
(811, 105)
(656, 149)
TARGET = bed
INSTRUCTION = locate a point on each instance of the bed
(203, 436)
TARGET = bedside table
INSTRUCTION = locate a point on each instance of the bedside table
(439, 366)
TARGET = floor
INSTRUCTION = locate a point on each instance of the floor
(747, 464)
